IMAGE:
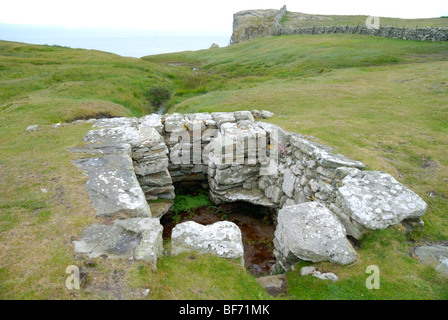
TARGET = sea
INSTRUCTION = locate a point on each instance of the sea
(127, 43)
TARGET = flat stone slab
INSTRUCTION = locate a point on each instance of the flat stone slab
(222, 238)
(375, 200)
(434, 255)
(160, 208)
(135, 238)
(114, 135)
(311, 232)
(115, 122)
(113, 186)
(274, 285)
(254, 196)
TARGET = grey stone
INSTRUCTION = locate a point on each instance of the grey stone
(243, 115)
(307, 271)
(32, 128)
(151, 166)
(103, 149)
(254, 196)
(153, 120)
(114, 135)
(311, 271)
(174, 122)
(136, 238)
(256, 113)
(326, 276)
(432, 254)
(311, 232)
(223, 117)
(274, 193)
(160, 208)
(289, 180)
(115, 122)
(376, 200)
(222, 238)
(113, 187)
(266, 114)
(160, 179)
(235, 174)
(274, 285)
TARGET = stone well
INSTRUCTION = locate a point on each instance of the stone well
(320, 197)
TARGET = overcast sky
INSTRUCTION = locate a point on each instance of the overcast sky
(193, 15)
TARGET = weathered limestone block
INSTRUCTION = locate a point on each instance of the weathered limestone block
(150, 138)
(152, 120)
(160, 208)
(376, 200)
(114, 135)
(323, 154)
(136, 238)
(265, 114)
(113, 186)
(289, 180)
(223, 117)
(254, 196)
(243, 115)
(235, 174)
(222, 238)
(115, 122)
(151, 166)
(100, 149)
(309, 231)
(274, 193)
(174, 122)
(256, 113)
(159, 179)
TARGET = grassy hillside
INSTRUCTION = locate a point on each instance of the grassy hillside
(381, 101)
(298, 19)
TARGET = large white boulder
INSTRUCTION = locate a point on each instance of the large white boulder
(309, 231)
(222, 238)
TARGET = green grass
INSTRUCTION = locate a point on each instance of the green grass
(188, 201)
(381, 101)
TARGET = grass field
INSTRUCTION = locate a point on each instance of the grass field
(381, 101)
